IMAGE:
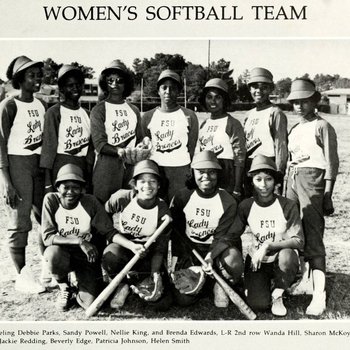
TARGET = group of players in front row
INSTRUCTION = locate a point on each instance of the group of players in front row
(199, 171)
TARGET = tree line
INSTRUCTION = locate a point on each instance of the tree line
(195, 76)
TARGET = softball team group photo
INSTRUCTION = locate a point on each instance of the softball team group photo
(156, 204)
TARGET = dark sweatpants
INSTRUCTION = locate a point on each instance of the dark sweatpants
(258, 283)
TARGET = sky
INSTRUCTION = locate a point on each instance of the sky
(284, 58)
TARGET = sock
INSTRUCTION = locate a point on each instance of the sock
(18, 256)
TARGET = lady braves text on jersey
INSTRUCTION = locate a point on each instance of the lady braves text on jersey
(26, 132)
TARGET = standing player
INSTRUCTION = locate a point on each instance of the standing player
(203, 214)
(22, 122)
(173, 131)
(140, 212)
(115, 125)
(223, 135)
(74, 229)
(265, 126)
(314, 167)
(276, 235)
(67, 129)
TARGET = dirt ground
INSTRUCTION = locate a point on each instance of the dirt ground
(19, 307)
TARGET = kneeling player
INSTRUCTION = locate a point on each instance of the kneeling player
(203, 214)
(140, 212)
(72, 229)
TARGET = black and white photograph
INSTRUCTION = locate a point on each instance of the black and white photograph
(165, 187)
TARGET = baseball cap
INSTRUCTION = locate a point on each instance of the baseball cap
(69, 172)
(146, 167)
(205, 160)
(23, 62)
(261, 162)
(303, 89)
(116, 65)
(260, 75)
(169, 74)
(68, 68)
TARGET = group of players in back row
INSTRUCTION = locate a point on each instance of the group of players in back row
(74, 171)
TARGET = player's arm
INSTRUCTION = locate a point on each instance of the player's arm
(222, 237)
(8, 113)
(279, 132)
(326, 138)
(237, 139)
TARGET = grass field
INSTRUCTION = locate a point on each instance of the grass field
(19, 307)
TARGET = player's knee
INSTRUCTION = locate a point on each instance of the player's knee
(287, 260)
(258, 302)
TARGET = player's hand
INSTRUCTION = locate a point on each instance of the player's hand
(328, 207)
(258, 257)
(208, 267)
(237, 195)
(139, 249)
(11, 196)
(150, 289)
(89, 250)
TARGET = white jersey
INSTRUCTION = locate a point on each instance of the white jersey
(213, 137)
(74, 132)
(267, 224)
(169, 133)
(138, 222)
(73, 223)
(120, 124)
(303, 146)
(202, 217)
(257, 133)
(27, 130)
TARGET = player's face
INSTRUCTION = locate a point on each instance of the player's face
(147, 186)
(72, 89)
(304, 107)
(260, 92)
(70, 192)
(32, 79)
(264, 185)
(115, 84)
(214, 101)
(168, 92)
(206, 180)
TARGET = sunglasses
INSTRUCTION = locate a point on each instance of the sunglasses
(110, 81)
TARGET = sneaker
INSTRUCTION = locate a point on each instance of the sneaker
(63, 300)
(220, 297)
(119, 298)
(278, 308)
(317, 305)
(302, 286)
(46, 278)
(26, 282)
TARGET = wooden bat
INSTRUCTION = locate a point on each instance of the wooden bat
(235, 298)
(105, 294)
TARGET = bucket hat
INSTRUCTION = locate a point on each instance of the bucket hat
(68, 68)
(116, 65)
(146, 167)
(216, 83)
(205, 160)
(169, 74)
(303, 89)
(260, 75)
(69, 172)
(261, 162)
(23, 62)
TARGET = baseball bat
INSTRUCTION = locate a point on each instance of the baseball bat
(105, 294)
(234, 297)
